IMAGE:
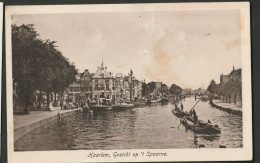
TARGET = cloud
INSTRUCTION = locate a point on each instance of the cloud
(162, 66)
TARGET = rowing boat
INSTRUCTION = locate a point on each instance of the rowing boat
(200, 127)
(179, 113)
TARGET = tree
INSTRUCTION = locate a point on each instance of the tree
(165, 89)
(37, 65)
(212, 88)
(175, 90)
(24, 45)
(152, 87)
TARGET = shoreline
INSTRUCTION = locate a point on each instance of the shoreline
(26, 128)
(226, 109)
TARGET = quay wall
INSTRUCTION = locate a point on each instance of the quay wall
(229, 110)
(21, 131)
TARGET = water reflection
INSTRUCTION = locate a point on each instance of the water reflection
(138, 128)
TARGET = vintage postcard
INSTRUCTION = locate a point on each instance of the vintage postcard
(129, 82)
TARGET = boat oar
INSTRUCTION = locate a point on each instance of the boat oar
(179, 125)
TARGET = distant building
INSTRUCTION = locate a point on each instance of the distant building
(235, 74)
(137, 89)
(86, 85)
(224, 78)
(102, 83)
(82, 87)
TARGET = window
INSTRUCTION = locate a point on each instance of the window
(96, 80)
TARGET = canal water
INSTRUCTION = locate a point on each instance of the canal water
(152, 127)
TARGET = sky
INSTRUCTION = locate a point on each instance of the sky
(187, 48)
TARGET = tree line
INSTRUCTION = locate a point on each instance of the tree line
(149, 88)
(37, 65)
(224, 90)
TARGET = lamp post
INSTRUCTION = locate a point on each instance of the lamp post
(131, 96)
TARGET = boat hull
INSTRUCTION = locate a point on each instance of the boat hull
(122, 107)
(97, 108)
(200, 128)
(179, 114)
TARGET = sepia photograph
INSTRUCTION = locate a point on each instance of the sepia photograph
(129, 82)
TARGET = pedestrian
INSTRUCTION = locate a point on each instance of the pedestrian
(61, 104)
(181, 106)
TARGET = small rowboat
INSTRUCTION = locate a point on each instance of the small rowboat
(200, 127)
(179, 113)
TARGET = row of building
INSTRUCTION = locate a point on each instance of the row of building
(92, 86)
(102, 84)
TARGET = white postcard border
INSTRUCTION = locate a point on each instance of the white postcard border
(244, 153)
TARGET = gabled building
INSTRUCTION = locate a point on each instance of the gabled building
(102, 83)
(119, 85)
(234, 74)
(86, 85)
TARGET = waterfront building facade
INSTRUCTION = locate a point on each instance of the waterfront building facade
(119, 84)
(86, 85)
(137, 89)
(103, 83)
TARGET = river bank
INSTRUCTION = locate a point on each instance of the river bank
(230, 108)
(24, 124)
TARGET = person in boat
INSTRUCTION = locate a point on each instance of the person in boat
(194, 115)
(181, 106)
(195, 119)
(191, 112)
(176, 107)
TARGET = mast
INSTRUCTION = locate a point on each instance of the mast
(131, 89)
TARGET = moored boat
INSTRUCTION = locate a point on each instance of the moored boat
(102, 105)
(122, 106)
(155, 101)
